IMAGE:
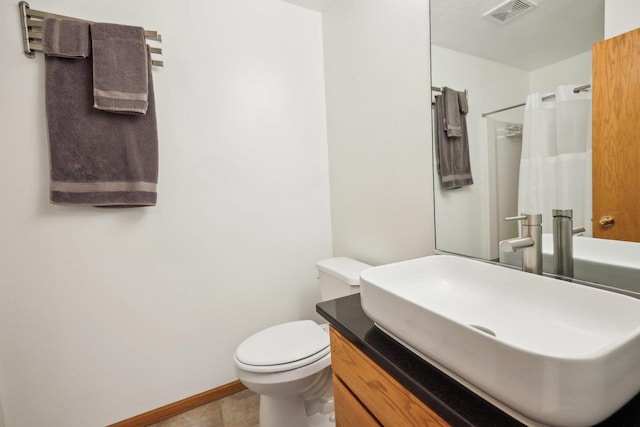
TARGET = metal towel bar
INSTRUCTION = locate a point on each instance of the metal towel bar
(32, 21)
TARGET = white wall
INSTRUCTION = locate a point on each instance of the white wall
(104, 313)
(317, 5)
(620, 16)
(574, 70)
(378, 121)
(463, 215)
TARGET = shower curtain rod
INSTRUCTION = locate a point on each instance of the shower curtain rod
(544, 98)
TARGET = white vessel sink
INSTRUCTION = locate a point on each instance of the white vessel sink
(562, 354)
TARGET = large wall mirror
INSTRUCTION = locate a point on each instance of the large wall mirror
(533, 52)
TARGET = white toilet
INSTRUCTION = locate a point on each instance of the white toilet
(289, 364)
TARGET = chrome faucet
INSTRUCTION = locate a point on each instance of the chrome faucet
(563, 232)
(530, 242)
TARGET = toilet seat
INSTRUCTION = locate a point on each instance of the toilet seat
(283, 347)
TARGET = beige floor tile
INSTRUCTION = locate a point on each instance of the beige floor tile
(208, 415)
(240, 410)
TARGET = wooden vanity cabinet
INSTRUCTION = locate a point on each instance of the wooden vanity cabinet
(365, 395)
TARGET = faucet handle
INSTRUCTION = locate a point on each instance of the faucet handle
(513, 245)
(578, 230)
(516, 218)
(528, 219)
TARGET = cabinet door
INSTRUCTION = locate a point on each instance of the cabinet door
(385, 398)
(350, 411)
(616, 137)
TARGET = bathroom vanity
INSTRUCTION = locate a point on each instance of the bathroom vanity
(377, 381)
(366, 395)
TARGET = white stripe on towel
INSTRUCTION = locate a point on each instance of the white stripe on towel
(95, 187)
(133, 96)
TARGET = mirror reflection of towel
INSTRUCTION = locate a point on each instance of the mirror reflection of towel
(452, 112)
(463, 103)
(452, 152)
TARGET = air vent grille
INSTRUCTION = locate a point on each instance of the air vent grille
(509, 10)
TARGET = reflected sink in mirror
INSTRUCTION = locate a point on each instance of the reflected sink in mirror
(612, 262)
(546, 351)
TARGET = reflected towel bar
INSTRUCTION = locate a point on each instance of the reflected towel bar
(32, 21)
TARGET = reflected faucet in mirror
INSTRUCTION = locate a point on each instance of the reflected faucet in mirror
(563, 232)
(530, 243)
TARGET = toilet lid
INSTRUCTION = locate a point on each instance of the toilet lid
(283, 344)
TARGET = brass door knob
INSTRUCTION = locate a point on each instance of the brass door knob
(607, 221)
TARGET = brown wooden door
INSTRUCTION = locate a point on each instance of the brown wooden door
(616, 136)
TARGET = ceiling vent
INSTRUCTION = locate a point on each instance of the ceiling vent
(509, 10)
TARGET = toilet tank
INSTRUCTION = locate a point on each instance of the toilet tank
(339, 277)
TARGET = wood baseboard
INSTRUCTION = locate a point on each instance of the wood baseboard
(184, 405)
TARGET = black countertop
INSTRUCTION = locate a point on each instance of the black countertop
(453, 402)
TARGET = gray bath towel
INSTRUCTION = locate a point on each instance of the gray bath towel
(453, 127)
(454, 166)
(119, 68)
(66, 38)
(97, 158)
(463, 102)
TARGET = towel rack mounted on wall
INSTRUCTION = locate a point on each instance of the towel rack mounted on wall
(439, 89)
(32, 20)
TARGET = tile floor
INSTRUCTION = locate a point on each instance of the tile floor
(238, 410)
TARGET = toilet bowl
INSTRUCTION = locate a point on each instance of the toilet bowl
(294, 381)
(289, 364)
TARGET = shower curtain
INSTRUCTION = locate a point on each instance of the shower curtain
(555, 165)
